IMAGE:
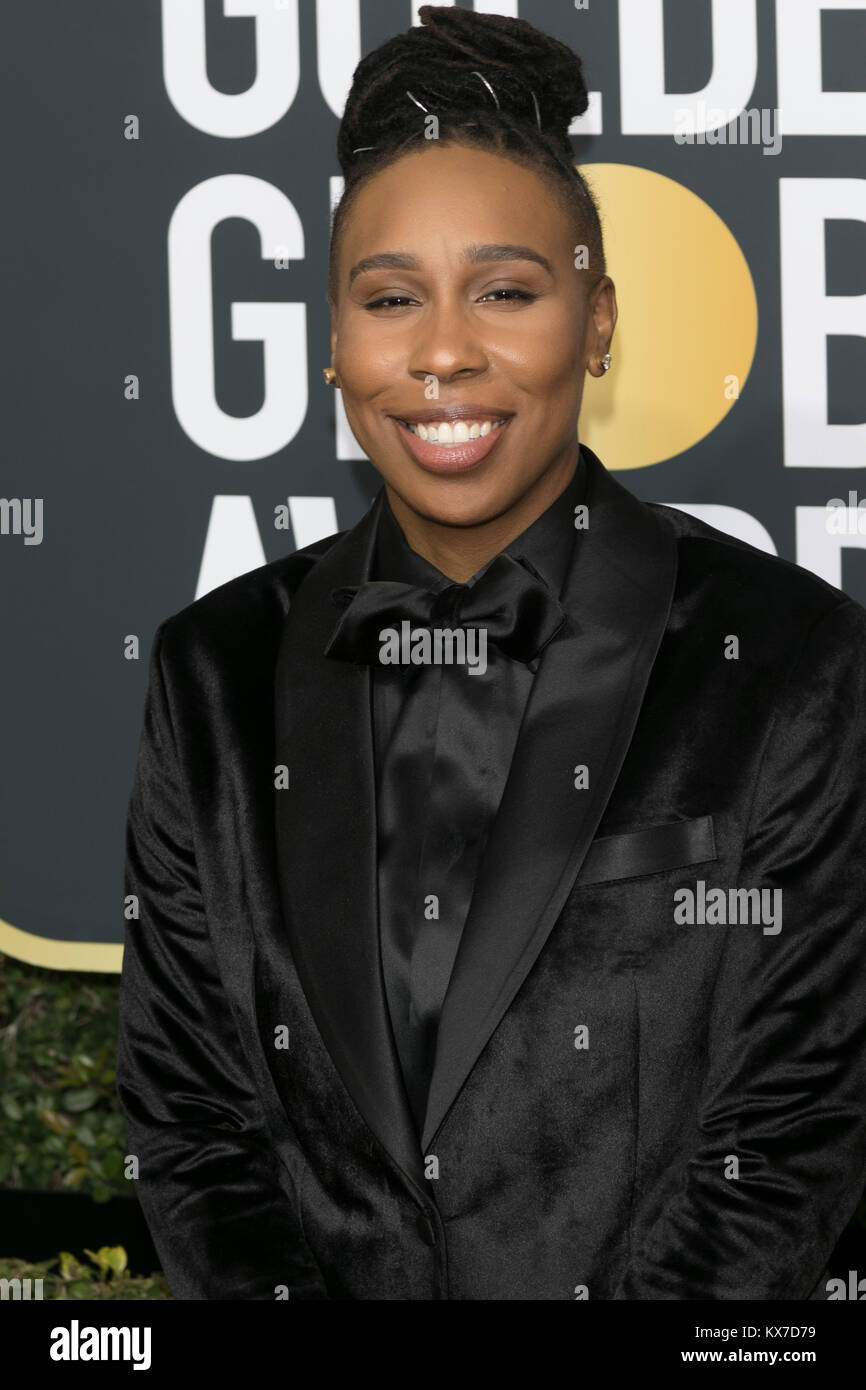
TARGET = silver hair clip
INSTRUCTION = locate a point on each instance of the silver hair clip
(496, 99)
(488, 86)
(420, 106)
(423, 108)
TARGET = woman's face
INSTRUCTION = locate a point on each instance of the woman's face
(456, 287)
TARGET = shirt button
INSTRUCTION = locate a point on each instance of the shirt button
(426, 1230)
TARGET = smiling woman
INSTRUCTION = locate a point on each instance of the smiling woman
(480, 309)
(411, 1009)
(467, 268)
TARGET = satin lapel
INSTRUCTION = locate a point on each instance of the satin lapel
(582, 709)
(326, 845)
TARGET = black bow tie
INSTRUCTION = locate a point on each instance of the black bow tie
(510, 601)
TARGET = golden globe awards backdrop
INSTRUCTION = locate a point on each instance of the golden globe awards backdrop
(169, 176)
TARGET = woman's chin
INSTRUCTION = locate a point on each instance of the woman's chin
(458, 499)
(445, 505)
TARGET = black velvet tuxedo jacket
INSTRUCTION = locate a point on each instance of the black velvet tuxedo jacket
(624, 1105)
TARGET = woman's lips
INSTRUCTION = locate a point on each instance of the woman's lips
(454, 458)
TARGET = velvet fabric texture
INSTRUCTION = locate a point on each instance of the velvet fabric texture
(624, 1104)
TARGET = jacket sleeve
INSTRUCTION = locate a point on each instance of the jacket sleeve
(210, 1181)
(786, 1086)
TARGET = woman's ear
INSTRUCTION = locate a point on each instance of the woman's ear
(602, 321)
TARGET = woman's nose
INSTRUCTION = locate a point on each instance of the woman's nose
(446, 342)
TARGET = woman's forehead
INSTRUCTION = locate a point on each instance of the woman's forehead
(440, 203)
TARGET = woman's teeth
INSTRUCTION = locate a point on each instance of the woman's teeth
(461, 432)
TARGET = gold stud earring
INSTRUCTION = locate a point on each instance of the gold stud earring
(330, 376)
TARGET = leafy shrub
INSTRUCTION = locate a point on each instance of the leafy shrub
(104, 1277)
(63, 1127)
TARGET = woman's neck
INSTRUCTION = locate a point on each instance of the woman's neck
(459, 552)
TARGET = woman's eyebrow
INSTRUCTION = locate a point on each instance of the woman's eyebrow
(476, 254)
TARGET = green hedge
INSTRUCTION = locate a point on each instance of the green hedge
(63, 1127)
(62, 1124)
(103, 1275)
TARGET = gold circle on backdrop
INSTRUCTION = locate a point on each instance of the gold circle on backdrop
(688, 319)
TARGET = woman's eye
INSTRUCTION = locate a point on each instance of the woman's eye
(395, 300)
(388, 301)
(513, 294)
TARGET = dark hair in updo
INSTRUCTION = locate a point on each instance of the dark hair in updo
(435, 61)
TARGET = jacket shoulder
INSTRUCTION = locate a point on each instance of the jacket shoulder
(243, 613)
(745, 579)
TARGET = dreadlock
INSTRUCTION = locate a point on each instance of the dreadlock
(537, 82)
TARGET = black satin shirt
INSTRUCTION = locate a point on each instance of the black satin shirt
(443, 742)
